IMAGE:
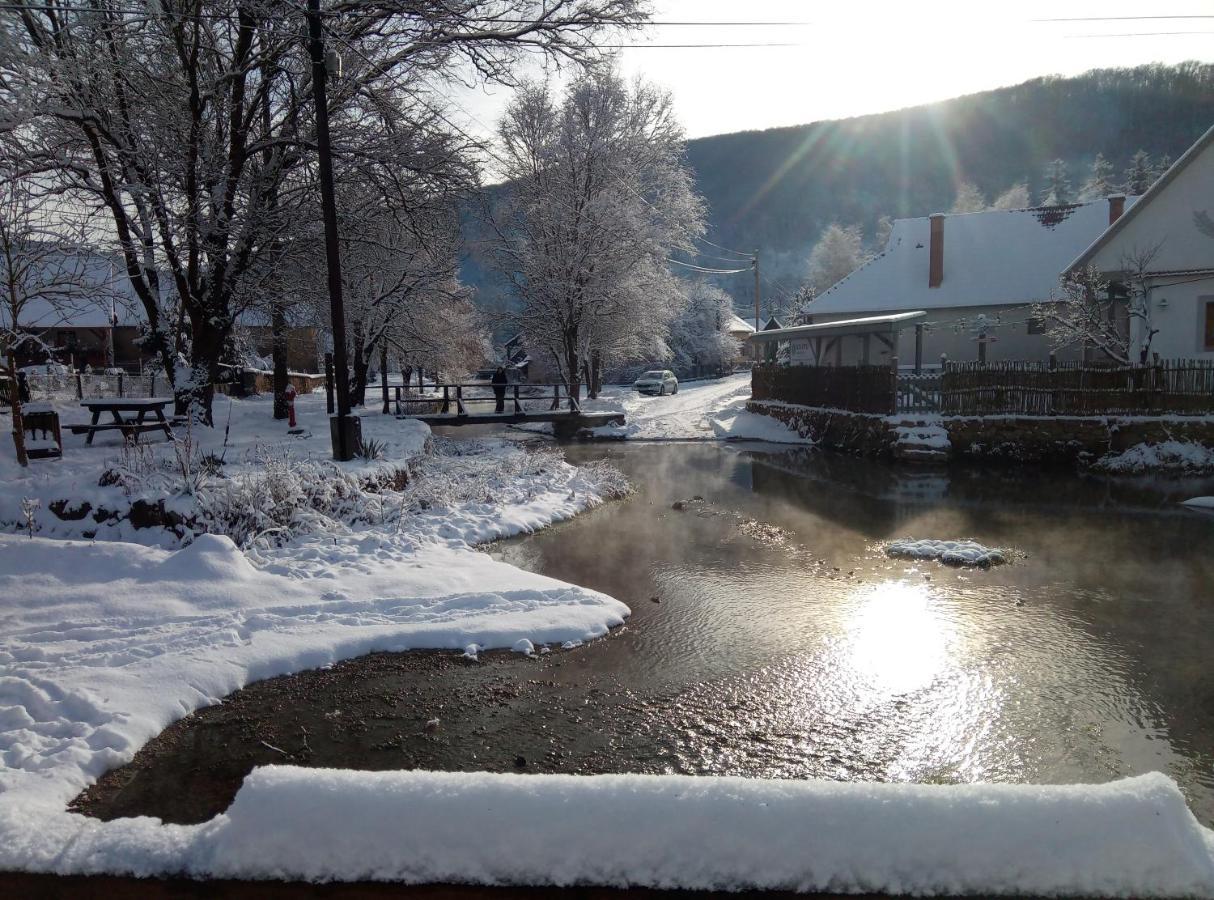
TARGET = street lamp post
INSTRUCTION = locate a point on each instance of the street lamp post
(344, 428)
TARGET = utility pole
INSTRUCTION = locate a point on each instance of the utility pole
(754, 264)
(344, 429)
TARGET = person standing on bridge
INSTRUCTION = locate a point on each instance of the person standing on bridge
(499, 388)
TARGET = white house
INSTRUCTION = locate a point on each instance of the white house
(1165, 243)
(975, 275)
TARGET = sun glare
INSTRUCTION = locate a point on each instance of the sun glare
(897, 640)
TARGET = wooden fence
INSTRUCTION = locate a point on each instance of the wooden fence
(866, 389)
(1178, 387)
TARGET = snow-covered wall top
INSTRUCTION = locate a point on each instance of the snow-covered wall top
(990, 259)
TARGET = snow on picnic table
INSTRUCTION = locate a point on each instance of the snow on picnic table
(700, 411)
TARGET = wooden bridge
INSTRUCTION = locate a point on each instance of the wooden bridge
(476, 404)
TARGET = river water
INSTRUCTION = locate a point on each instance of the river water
(787, 644)
(771, 636)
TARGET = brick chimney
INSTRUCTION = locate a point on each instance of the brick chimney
(935, 265)
(1116, 207)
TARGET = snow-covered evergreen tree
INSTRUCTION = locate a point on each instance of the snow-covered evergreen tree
(885, 227)
(839, 251)
(1057, 190)
(968, 199)
(1100, 182)
(1138, 176)
(1015, 197)
(1161, 165)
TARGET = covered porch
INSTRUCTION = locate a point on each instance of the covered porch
(872, 340)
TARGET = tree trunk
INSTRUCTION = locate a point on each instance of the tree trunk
(358, 386)
(195, 396)
(14, 398)
(278, 339)
(595, 382)
(383, 374)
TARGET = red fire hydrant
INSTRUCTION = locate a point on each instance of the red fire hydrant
(289, 394)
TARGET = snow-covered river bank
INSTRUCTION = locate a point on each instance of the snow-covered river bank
(784, 644)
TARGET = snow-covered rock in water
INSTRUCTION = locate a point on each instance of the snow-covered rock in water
(1200, 503)
(951, 553)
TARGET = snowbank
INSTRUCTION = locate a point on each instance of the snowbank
(103, 644)
(951, 553)
(1133, 837)
(1200, 503)
(1184, 456)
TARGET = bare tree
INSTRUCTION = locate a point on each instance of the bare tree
(191, 125)
(599, 198)
(46, 274)
(1098, 314)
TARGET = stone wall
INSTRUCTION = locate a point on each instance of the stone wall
(996, 438)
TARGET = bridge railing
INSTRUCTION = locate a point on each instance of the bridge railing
(454, 399)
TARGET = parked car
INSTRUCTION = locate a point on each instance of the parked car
(657, 381)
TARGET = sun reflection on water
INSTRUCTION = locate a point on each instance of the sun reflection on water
(898, 641)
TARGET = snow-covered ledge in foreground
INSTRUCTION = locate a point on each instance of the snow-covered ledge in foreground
(1131, 838)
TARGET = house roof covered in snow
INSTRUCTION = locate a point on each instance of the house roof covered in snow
(738, 325)
(90, 290)
(990, 258)
(861, 326)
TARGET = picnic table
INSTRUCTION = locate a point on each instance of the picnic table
(130, 427)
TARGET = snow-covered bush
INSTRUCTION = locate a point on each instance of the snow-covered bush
(1176, 456)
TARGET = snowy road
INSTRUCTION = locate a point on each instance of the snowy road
(700, 411)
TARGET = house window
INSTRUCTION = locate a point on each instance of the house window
(1207, 333)
(1036, 325)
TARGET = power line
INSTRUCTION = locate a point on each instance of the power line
(1135, 34)
(740, 253)
(707, 271)
(1116, 18)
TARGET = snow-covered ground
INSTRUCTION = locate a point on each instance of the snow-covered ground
(700, 411)
(104, 643)
(246, 437)
(1200, 503)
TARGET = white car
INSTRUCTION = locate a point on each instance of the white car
(657, 381)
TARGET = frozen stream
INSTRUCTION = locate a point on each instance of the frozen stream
(786, 644)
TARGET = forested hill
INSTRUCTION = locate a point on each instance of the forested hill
(777, 189)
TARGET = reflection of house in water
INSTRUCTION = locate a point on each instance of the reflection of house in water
(887, 496)
(884, 496)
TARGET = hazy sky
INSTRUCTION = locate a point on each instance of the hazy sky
(853, 58)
